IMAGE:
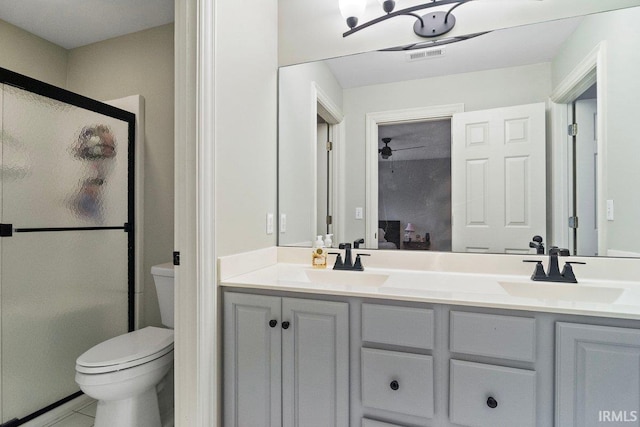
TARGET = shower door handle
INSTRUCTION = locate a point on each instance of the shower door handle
(6, 230)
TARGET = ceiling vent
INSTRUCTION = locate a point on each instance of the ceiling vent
(425, 54)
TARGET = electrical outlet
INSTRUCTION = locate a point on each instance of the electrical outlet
(269, 223)
(283, 223)
(358, 213)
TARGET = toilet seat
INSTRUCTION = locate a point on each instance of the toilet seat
(126, 351)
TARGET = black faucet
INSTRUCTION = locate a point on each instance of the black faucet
(347, 264)
(553, 273)
(347, 256)
(537, 244)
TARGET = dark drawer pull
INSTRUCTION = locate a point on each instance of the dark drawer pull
(285, 325)
(491, 402)
(394, 385)
(273, 323)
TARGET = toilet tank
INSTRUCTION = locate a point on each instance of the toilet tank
(163, 278)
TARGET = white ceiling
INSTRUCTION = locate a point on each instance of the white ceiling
(529, 44)
(74, 23)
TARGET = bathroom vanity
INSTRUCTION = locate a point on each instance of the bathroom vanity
(429, 346)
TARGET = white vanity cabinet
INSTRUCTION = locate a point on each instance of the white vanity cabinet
(398, 378)
(296, 359)
(488, 394)
(597, 375)
(286, 362)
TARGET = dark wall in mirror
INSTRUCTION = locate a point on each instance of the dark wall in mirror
(550, 64)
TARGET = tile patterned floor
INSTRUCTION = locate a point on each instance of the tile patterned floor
(82, 417)
(85, 416)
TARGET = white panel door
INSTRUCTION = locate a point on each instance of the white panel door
(498, 179)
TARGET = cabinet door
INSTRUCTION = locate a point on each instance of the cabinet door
(315, 363)
(252, 346)
(597, 375)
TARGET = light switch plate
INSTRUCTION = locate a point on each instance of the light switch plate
(358, 213)
(283, 223)
(610, 213)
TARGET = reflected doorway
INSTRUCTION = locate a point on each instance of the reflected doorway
(583, 158)
(324, 185)
(414, 185)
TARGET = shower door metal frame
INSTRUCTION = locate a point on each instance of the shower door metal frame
(53, 92)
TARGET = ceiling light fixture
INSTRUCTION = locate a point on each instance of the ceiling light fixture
(432, 24)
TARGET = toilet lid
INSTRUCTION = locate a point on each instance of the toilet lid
(126, 350)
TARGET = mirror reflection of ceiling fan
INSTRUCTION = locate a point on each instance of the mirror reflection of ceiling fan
(386, 151)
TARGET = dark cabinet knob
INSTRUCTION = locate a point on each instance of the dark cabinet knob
(285, 325)
(273, 323)
(394, 385)
(491, 402)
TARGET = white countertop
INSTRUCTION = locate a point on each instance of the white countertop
(595, 297)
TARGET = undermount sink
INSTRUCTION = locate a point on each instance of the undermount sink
(561, 291)
(346, 278)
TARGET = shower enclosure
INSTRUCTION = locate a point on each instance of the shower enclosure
(66, 251)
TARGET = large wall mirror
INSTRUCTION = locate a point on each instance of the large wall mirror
(467, 146)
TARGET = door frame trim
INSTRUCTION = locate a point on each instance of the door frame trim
(334, 116)
(197, 327)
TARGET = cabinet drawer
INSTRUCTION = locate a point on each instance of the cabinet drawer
(403, 326)
(491, 335)
(397, 382)
(491, 396)
(372, 423)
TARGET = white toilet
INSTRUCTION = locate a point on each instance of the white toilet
(122, 373)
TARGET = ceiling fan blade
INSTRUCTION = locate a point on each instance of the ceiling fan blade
(409, 148)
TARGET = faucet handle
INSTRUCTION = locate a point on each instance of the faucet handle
(357, 265)
(567, 271)
(537, 244)
(538, 273)
(339, 262)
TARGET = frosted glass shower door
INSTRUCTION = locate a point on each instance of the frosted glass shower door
(64, 271)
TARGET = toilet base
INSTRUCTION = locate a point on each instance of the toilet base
(138, 411)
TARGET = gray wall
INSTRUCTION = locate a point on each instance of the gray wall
(297, 148)
(621, 32)
(419, 192)
(26, 53)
